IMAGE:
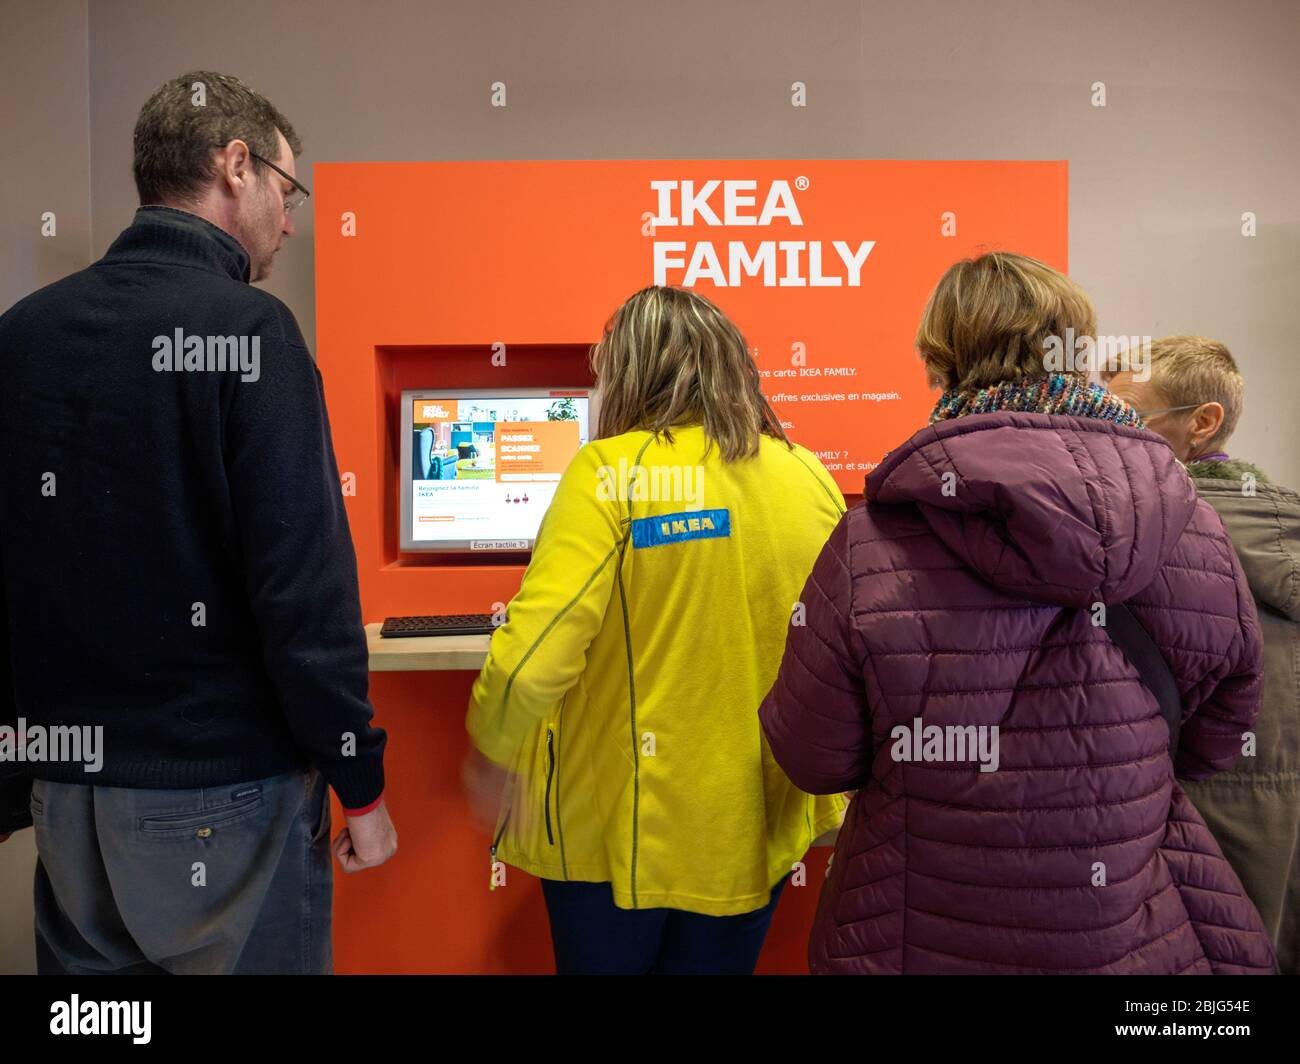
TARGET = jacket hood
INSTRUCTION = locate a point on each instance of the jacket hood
(1053, 508)
(1264, 525)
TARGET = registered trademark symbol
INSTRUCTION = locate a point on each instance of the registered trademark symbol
(801, 183)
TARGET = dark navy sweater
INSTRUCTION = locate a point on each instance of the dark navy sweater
(175, 560)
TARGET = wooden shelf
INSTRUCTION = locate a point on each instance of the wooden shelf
(426, 653)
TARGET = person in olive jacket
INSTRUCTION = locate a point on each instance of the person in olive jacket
(1193, 398)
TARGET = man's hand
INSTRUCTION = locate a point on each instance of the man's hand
(485, 785)
(367, 841)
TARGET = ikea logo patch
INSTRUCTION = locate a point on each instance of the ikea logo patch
(675, 528)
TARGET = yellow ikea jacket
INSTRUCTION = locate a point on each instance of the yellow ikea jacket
(623, 689)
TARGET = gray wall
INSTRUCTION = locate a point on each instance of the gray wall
(45, 125)
(45, 129)
(1203, 105)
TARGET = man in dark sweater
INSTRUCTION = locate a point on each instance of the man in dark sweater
(183, 667)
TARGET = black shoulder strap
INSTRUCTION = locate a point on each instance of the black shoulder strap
(1127, 633)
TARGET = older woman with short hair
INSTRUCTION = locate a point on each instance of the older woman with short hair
(1016, 807)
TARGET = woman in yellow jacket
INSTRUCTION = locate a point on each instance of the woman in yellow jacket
(618, 705)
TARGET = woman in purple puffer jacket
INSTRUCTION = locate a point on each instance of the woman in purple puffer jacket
(1016, 808)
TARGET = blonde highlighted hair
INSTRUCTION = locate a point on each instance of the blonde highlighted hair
(669, 358)
(989, 319)
(1187, 371)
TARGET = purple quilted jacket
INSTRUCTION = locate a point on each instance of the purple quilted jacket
(961, 599)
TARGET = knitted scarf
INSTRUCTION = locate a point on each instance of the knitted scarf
(1059, 393)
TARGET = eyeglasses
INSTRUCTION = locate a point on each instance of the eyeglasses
(1147, 415)
(298, 196)
(300, 192)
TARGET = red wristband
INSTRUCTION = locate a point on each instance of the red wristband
(365, 808)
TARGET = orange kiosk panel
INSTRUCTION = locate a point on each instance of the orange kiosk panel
(501, 275)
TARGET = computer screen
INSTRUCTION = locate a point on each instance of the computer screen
(479, 468)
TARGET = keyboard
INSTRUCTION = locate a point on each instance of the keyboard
(440, 624)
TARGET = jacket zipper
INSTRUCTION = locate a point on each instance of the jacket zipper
(550, 772)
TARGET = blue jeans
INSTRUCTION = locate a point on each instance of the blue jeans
(592, 936)
(218, 880)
